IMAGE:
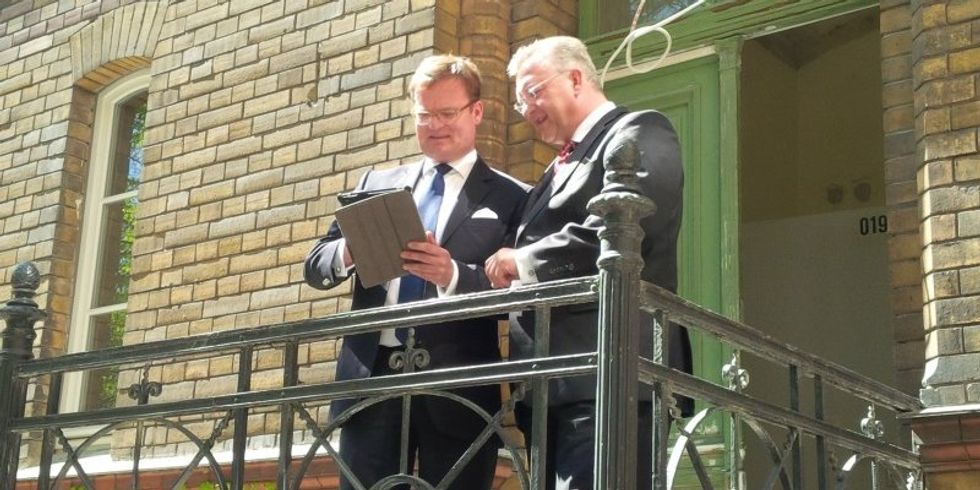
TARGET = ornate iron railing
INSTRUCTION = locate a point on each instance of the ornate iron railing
(621, 371)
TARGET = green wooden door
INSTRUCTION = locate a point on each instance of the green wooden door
(688, 94)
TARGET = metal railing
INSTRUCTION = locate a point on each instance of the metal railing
(620, 369)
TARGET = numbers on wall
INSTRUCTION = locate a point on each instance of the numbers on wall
(872, 225)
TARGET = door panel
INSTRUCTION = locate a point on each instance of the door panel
(688, 94)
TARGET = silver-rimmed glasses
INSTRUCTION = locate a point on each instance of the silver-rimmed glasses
(531, 94)
(443, 116)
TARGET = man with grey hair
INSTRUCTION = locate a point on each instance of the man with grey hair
(558, 92)
(468, 210)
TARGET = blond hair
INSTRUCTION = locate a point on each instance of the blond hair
(442, 66)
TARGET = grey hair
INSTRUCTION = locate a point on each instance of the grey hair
(559, 52)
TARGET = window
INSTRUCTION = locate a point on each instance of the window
(108, 217)
(618, 14)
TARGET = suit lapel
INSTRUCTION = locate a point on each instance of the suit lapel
(539, 194)
(548, 186)
(475, 188)
(543, 184)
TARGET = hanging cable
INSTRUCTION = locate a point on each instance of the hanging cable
(635, 34)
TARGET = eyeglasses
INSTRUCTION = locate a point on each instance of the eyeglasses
(531, 94)
(444, 116)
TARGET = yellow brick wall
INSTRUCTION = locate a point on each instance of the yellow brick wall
(532, 19)
(904, 245)
(946, 64)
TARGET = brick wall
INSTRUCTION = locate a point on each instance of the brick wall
(946, 60)
(242, 170)
(259, 112)
(529, 20)
(483, 36)
(904, 244)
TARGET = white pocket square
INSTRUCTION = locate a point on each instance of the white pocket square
(484, 213)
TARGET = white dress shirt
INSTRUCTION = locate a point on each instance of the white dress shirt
(454, 180)
(525, 271)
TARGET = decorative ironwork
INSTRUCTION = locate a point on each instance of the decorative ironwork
(621, 205)
(619, 367)
(751, 412)
(142, 391)
(20, 314)
(411, 358)
(494, 428)
(737, 377)
(871, 426)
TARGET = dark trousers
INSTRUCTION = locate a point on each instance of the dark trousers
(571, 444)
(370, 443)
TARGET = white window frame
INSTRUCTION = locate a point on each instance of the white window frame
(92, 223)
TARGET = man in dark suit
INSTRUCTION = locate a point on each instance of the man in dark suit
(468, 209)
(559, 94)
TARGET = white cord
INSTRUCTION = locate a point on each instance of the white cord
(642, 31)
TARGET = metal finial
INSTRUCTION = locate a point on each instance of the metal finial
(25, 280)
(738, 378)
(871, 426)
(410, 359)
(21, 312)
(142, 391)
(622, 162)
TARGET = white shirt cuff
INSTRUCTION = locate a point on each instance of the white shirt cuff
(450, 288)
(525, 271)
(339, 269)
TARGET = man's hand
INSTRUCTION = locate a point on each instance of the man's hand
(501, 268)
(429, 261)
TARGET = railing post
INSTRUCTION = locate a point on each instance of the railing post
(621, 205)
(873, 429)
(20, 314)
(241, 419)
(290, 377)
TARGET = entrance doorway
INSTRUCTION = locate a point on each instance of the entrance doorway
(813, 242)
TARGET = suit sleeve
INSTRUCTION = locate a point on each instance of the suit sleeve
(318, 269)
(473, 277)
(573, 250)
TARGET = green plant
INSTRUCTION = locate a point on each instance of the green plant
(209, 485)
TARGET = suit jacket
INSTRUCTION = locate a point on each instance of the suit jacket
(470, 240)
(560, 237)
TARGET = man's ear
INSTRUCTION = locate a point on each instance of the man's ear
(477, 109)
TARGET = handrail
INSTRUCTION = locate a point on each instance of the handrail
(743, 404)
(556, 366)
(743, 336)
(557, 293)
(545, 295)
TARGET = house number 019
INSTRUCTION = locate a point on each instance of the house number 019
(871, 225)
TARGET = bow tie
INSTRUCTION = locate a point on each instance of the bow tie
(566, 152)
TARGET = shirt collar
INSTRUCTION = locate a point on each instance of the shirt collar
(462, 165)
(590, 121)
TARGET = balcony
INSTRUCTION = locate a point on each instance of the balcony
(275, 380)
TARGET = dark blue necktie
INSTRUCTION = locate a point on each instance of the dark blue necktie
(413, 287)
